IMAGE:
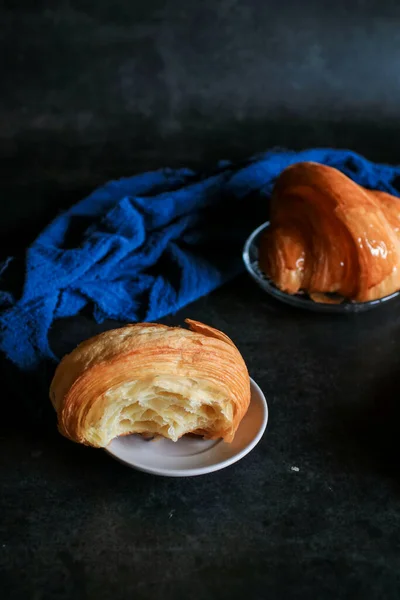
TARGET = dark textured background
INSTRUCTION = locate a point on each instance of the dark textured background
(94, 90)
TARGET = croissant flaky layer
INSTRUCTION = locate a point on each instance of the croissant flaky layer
(329, 235)
(151, 379)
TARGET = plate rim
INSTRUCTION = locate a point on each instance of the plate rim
(193, 472)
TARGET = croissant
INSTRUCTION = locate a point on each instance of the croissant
(154, 380)
(329, 235)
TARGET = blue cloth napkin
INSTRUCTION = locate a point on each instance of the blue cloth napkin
(145, 246)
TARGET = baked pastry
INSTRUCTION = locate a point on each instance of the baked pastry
(328, 235)
(153, 380)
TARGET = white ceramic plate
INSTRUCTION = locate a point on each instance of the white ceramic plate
(191, 455)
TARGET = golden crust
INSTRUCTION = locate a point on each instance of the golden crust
(330, 235)
(151, 379)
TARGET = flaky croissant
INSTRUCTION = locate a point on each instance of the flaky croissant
(329, 235)
(151, 379)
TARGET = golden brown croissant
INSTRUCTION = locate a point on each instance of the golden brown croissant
(329, 235)
(151, 379)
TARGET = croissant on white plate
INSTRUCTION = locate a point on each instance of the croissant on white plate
(151, 379)
(329, 235)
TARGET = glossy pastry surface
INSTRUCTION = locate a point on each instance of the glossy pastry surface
(329, 235)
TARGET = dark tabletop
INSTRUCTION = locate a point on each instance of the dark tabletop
(96, 90)
(80, 525)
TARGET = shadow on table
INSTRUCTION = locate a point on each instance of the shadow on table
(365, 434)
(26, 405)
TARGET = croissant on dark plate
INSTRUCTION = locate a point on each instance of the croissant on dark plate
(328, 235)
(153, 380)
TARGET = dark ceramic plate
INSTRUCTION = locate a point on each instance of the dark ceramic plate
(250, 258)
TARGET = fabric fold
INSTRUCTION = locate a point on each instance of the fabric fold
(145, 246)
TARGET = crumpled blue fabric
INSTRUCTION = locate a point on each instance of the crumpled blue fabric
(145, 246)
